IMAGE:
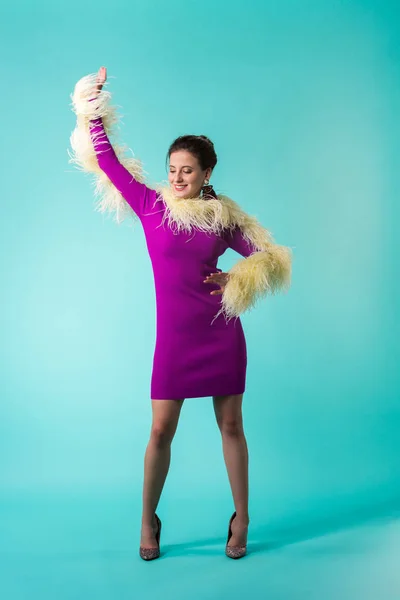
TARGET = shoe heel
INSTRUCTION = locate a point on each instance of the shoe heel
(234, 552)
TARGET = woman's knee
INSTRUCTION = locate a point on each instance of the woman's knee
(231, 426)
(162, 434)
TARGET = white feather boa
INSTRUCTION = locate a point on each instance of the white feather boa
(88, 105)
(266, 271)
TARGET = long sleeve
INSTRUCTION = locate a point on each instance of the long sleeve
(133, 191)
(119, 178)
(265, 269)
(237, 242)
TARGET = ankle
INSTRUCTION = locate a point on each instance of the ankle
(243, 520)
(149, 522)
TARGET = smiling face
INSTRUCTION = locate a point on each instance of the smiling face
(186, 175)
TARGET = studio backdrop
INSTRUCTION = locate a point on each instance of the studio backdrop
(301, 102)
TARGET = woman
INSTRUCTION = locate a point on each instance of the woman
(200, 348)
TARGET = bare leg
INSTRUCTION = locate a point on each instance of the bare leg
(156, 463)
(228, 411)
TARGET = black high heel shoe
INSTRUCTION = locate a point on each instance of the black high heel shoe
(234, 552)
(152, 553)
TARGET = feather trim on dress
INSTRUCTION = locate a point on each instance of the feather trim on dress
(88, 106)
(187, 214)
(266, 271)
(211, 216)
(262, 273)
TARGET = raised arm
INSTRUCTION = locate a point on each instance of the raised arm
(131, 189)
(119, 178)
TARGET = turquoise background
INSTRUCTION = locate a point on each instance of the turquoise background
(301, 99)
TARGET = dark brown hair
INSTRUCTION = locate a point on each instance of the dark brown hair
(199, 145)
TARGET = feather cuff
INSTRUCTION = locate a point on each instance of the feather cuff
(88, 106)
(262, 273)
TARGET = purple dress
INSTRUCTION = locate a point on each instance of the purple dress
(195, 354)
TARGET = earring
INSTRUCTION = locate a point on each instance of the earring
(208, 190)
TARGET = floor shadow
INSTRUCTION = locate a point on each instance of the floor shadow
(295, 529)
(305, 528)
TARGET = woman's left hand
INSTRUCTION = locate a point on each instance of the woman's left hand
(220, 279)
